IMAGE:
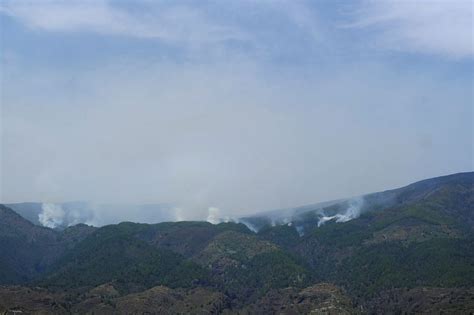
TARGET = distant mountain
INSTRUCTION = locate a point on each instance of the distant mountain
(407, 250)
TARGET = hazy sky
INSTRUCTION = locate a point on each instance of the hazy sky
(239, 105)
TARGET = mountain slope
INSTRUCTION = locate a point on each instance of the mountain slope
(411, 249)
(27, 250)
(425, 239)
(113, 254)
(308, 217)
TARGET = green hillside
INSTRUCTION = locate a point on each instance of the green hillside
(419, 244)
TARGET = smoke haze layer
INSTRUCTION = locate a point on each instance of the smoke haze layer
(207, 138)
(210, 107)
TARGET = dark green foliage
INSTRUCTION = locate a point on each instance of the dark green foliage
(341, 235)
(425, 242)
(112, 254)
(275, 270)
(26, 250)
(437, 262)
(263, 272)
(9, 275)
(185, 238)
(283, 235)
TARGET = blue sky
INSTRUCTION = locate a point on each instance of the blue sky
(239, 105)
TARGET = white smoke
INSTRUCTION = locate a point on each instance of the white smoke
(352, 212)
(179, 214)
(300, 230)
(213, 215)
(74, 217)
(250, 226)
(52, 215)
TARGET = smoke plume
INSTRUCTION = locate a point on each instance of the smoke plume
(352, 212)
(52, 215)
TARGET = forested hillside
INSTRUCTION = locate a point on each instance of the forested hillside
(410, 250)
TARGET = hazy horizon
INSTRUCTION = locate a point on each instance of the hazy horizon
(157, 202)
(240, 105)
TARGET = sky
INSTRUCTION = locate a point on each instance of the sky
(237, 106)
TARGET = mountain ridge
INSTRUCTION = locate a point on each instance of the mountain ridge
(419, 245)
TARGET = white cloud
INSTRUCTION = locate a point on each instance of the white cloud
(437, 27)
(170, 22)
